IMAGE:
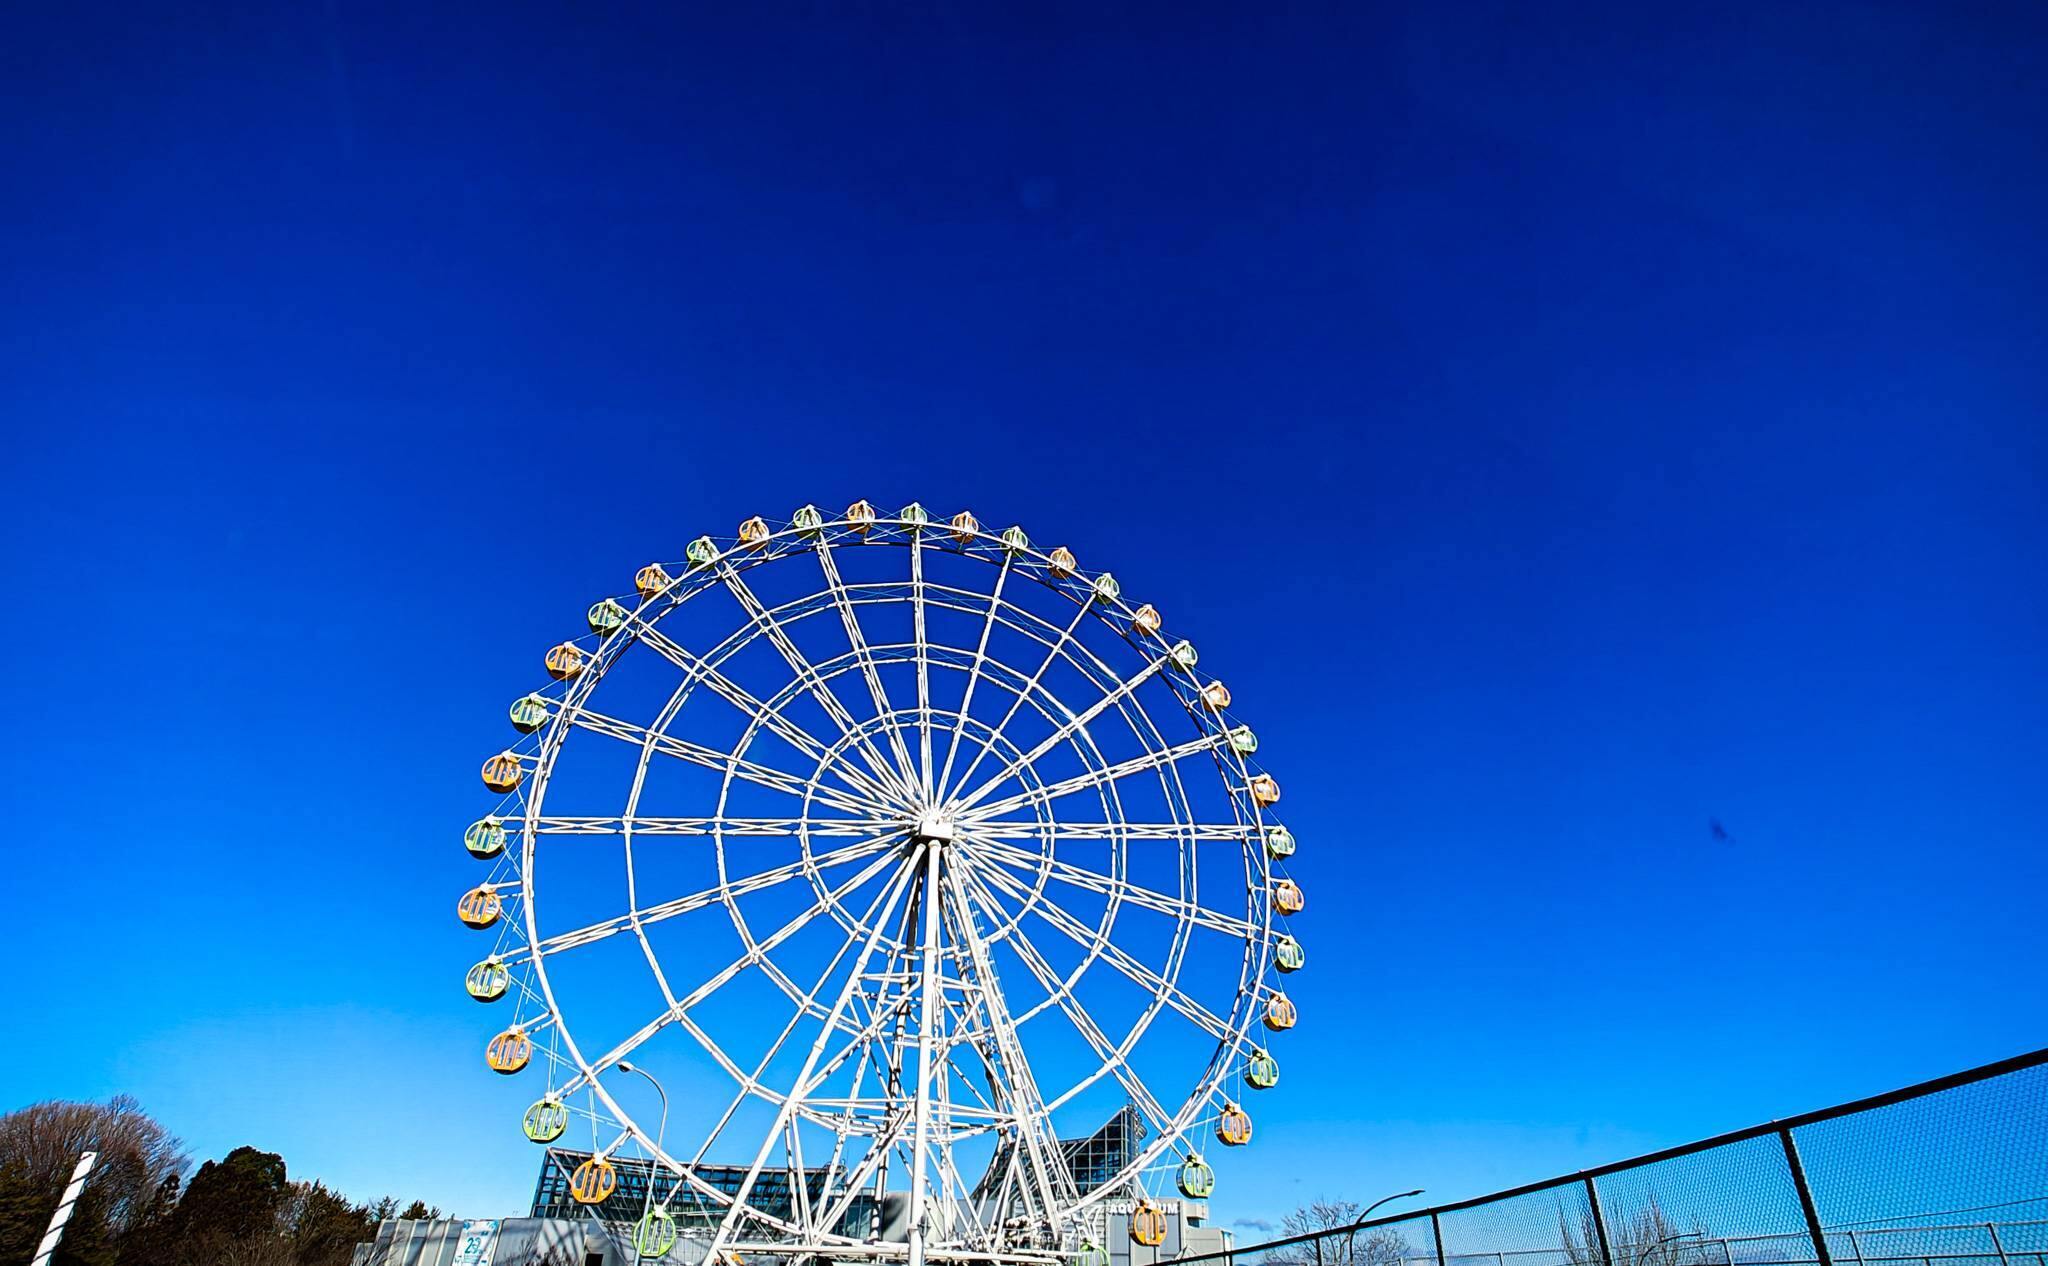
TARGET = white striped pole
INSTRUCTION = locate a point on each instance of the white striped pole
(64, 1207)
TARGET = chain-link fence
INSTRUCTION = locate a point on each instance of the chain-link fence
(1952, 1172)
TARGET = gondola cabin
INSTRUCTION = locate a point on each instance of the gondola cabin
(1233, 1126)
(1288, 955)
(480, 907)
(593, 1181)
(529, 713)
(488, 980)
(503, 773)
(652, 580)
(1148, 1224)
(546, 1121)
(485, 837)
(509, 1052)
(564, 661)
(1288, 897)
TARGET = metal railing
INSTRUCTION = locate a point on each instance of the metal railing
(1949, 1171)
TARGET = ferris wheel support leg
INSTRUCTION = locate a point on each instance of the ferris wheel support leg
(927, 1051)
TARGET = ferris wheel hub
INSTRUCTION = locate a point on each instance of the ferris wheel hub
(934, 826)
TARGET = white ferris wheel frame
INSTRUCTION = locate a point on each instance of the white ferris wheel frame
(950, 846)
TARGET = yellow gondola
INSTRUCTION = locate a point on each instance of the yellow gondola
(1265, 791)
(860, 516)
(965, 527)
(593, 1181)
(480, 907)
(1279, 1012)
(1148, 1224)
(1061, 560)
(652, 580)
(503, 772)
(1147, 620)
(565, 661)
(754, 532)
(1234, 1126)
(1288, 897)
(509, 1052)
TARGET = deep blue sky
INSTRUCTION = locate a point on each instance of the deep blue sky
(1566, 428)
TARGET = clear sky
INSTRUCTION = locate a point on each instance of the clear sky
(1567, 430)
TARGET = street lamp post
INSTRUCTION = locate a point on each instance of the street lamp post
(660, 1134)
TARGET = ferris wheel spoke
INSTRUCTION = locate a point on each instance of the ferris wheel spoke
(1112, 954)
(713, 896)
(988, 624)
(1123, 889)
(776, 828)
(1236, 833)
(1106, 774)
(924, 672)
(1078, 722)
(1052, 654)
(1114, 1056)
(779, 638)
(713, 759)
(773, 720)
(864, 657)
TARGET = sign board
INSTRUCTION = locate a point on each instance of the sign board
(479, 1241)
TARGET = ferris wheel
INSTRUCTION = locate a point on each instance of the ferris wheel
(935, 881)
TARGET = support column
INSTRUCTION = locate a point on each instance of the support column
(927, 1050)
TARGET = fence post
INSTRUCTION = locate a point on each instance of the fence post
(1997, 1243)
(1599, 1223)
(1436, 1228)
(1820, 1239)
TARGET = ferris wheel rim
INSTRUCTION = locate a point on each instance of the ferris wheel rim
(621, 639)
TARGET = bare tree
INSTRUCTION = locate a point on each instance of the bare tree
(133, 1184)
(1335, 1242)
(1649, 1236)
